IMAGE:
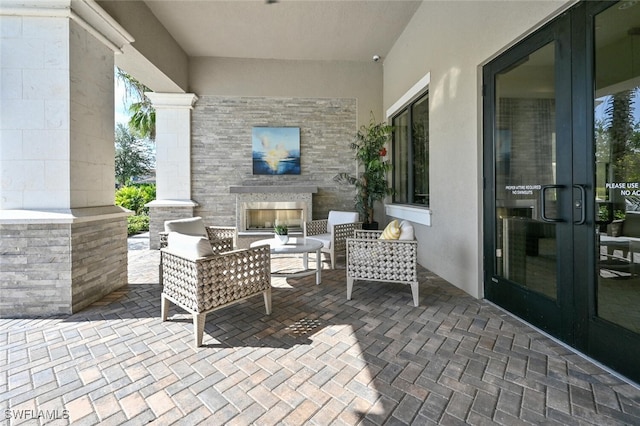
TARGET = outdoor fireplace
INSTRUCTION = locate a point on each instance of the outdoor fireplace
(264, 215)
(260, 208)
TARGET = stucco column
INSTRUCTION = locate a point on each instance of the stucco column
(63, 242)
(173, 160)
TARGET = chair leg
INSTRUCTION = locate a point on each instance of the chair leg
(414, 292)
(349, 287)
(198, 328)
(267, 301)
(164, 307)
(332, 254)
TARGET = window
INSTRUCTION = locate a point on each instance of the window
(411, 153)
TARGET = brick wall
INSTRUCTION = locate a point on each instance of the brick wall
(221, 150)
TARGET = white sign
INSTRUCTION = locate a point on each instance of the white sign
(522, 189)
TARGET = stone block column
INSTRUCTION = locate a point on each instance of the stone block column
(63, 242)
(173, 161)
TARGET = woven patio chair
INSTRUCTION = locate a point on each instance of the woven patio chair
(372, 259)
(333, 232)
(200, 280)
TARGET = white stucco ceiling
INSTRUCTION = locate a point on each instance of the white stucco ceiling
(328, 30)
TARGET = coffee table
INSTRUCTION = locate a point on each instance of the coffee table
(296, 245)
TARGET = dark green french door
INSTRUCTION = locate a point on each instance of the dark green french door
(562, 180)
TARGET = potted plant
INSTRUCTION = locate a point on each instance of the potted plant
(371, 184)
(282, 233)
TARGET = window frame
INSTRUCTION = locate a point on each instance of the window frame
(412, 212)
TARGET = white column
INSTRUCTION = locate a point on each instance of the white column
(64, 241)
(173, 160)
(173, 145)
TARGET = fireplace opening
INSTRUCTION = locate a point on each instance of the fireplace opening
(262, 216)
(266, 219)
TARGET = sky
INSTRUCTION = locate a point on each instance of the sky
(121, 109)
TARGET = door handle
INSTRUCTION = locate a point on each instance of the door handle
(543, 204)
(580, 204)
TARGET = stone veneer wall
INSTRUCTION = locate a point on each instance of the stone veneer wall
(57, 255)
(92, 280)
(36, 269)
(221, 150)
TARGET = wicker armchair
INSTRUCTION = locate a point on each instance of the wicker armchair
(203, 284)
(333, 232)
(372, 259)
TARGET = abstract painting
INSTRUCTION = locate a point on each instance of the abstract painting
(276, 150)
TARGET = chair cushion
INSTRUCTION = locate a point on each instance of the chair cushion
(188, 226)
(337, 217)
(325, 239)
(406, 231)
(392, 231)
(188, 246)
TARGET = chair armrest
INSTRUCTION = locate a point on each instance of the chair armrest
(221, 232)
(163, 239)
(367, 234)
(387, 260)
(222, 245)
(341, 232)
(315, 227)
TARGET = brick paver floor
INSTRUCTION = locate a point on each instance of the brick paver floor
(318, 359)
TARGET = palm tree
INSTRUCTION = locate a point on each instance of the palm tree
(143, 116)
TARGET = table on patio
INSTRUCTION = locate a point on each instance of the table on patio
(296, 245)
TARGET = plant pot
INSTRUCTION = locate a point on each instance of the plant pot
(284, 239)
(373, 226)
(614, 229)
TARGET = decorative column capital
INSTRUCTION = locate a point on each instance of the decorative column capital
(172, 100)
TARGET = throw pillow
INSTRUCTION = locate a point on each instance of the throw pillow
(392, 231)
(406, 231)
(188, 246)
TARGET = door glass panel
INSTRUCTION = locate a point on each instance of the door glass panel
(617, 157)
(525, 159)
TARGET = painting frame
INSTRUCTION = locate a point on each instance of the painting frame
(275, 150)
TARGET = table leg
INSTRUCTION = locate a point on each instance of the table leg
(305, 260)
(318, 267)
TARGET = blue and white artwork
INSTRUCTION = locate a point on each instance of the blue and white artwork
(276, 150)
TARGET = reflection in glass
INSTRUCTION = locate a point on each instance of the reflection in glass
(420, 142)
(525, 156)
(617, 157)
(401, 157)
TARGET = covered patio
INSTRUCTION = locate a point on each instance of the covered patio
(318, 359)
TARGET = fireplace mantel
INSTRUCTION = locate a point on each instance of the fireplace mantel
(273, 189)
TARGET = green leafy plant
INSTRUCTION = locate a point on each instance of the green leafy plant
(370, 152)
(135, 197)
(137, 224)
(281, 230)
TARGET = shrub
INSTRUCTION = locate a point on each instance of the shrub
(134, 197)
(137, 224)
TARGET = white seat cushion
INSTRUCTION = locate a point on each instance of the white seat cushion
(336, 217)
(188, 246)
(325, 239)
(188, 226)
